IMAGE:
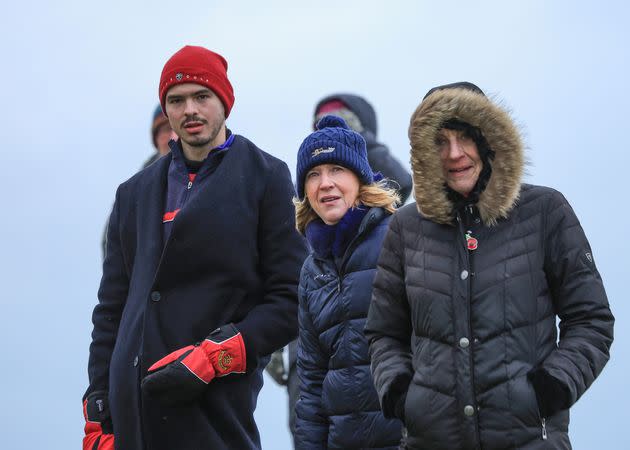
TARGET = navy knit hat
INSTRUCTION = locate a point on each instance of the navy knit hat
(333, 143)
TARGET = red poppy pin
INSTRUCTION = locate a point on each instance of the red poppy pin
(471, 242)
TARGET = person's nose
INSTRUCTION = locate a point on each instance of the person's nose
(191, 107)
(326, 182)
(454, 149)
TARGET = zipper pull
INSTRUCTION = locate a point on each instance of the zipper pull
(189, 185)
(544, 429)
(338, 284)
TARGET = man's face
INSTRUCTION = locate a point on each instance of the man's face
(461, 164)
(196, 115)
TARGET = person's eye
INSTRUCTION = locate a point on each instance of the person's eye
(311, 175)
(203, 97)
(337, 169)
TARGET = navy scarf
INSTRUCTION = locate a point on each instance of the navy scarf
(333, 240)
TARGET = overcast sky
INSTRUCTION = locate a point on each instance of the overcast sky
(79, 83)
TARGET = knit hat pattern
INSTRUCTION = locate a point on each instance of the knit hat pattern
(333, 143)
(193, 64)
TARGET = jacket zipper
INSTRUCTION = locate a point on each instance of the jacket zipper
(469, 264)
(543, 421)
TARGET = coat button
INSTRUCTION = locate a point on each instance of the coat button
(464, 274)
(469, 410)
(155, 296)
(464, 342)
(135, 361)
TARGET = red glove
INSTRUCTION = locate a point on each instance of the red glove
(99, 433)
(182, 376)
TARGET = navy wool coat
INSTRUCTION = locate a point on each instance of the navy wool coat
(233, 256)
(338, 405)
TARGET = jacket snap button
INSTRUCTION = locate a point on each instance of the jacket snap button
(135, 361)
(464, 274)
(469, 410)
(155, 296)
(464, 342)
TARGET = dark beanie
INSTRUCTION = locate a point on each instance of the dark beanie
(198, 65)
(459, 85)
(333, 143)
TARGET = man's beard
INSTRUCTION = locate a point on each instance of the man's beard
(202, 142)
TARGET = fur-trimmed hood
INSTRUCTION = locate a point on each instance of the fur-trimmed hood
(502, 135)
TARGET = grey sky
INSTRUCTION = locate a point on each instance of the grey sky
(79, 84)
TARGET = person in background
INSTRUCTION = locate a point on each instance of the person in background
(360, 116)
(199, 280)
(161, 135)
(343, 209)
(470, 281)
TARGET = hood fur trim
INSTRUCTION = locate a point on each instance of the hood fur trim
(497, 126)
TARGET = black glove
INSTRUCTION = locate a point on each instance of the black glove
(551, 394)
(181, 376)
(399, 409)
(393, 403)
(99, 433)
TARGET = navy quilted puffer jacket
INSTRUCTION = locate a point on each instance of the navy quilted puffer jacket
(338, 406)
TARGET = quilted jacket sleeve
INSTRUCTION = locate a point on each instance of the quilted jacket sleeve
(586, 322)
(311, 421)
(388, 326)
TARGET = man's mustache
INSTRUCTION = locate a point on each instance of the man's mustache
(192, 119)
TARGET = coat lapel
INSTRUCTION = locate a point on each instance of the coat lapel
(193, 223)
(150, 209)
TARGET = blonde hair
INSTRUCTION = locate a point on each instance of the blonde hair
(373, 195)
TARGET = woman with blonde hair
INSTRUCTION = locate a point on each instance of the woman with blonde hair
(343, 209)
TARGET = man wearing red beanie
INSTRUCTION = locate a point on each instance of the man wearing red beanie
(199, 280)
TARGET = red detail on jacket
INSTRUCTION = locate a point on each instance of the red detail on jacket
(170, 216)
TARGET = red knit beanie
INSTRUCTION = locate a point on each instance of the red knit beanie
(198, 65)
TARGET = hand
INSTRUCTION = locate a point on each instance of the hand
(183, 375)
(275, 368)
(99, 433)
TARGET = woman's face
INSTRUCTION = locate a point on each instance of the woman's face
(331, 190)
(461, 164)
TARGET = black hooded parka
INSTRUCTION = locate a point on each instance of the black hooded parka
(457, 327)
